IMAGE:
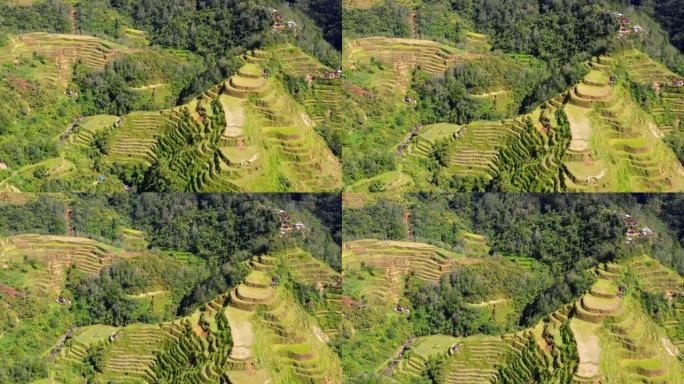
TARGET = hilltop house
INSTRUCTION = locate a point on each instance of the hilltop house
(287, 223)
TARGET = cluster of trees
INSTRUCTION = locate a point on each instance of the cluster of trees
(209, 28)
(24, 369)
(675, 140)
(557, 229)
(669, 13)
(106, 299)
(448, 97)
(111, 89)
(387, 19)
(380, 220)
(96, 17)
(443, 308)
(328, 16)
(433, 19)
(41, 15)
(43, 215)
(106, 92)
(436, 20)
(556, 31)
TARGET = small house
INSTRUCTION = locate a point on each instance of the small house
(300, 226)
(291, 24)
(637, 28)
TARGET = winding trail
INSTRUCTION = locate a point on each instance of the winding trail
(147, 294)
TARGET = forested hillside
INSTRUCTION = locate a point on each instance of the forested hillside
(183, 96)
(512, 288)
(482, 95)
(124, 287)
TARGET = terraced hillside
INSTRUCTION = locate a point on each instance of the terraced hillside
(306, 270)
(615, 144)
(604, 337)
(54, 256)
(244, 135)
(657, 279)
(483, 149)
(393, 260)
(592, 137)
(612, 143)
(522, 146)
(540, 353)
(63, 51)
(400, 57)
(256, 333)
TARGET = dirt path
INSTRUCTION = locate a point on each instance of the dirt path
(147, 294)
(320, 335)
(490, 302)
(494, 93)
(655, 131)
(64, 137)
(151, 86)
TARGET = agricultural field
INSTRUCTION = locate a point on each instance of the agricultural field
(417, 312)
(442, 112)
(81, 304)
(96, 113)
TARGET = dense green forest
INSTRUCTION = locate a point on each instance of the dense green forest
(49, 16)
(214, 30)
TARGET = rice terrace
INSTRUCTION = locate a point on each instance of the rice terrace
(83, 304)
(101, 99)
(453, 306)
(464, 95)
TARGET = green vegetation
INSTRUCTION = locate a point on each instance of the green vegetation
(540, 97)
(552, 290)
(80, 110)
(135, 287)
